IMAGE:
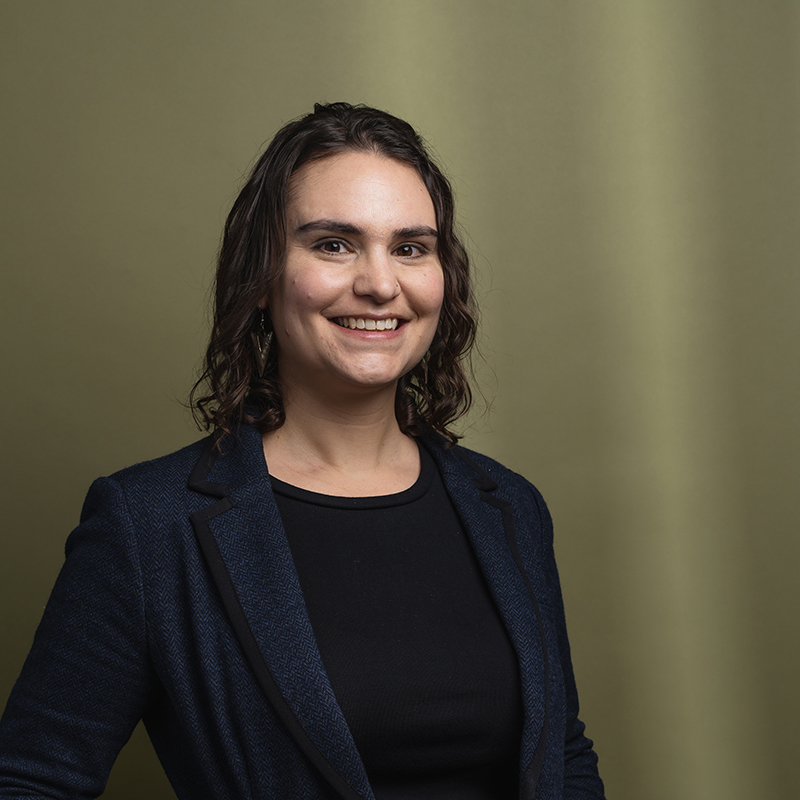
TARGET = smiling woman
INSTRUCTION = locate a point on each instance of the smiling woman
(379, 263)
(361, 253)
(327, 597)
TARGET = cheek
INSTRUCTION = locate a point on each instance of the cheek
(299, 298)
(440, 290)
(429, 298)
(313, 290)
(434, 294)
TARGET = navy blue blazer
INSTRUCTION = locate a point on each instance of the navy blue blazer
(179, 604)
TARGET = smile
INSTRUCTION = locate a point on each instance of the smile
(366, 324)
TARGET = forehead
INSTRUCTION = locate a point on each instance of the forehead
(362, 188)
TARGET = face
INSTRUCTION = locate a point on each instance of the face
(359, 299)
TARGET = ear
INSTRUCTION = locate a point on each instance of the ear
(263, 302)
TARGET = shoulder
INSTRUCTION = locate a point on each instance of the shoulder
(487, 474)
(499, 472)
(158, 483)
(171, 467)
(474, 465)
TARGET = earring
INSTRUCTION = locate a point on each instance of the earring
(262, 339)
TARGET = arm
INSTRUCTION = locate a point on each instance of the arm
(581, 779)
(85, 683)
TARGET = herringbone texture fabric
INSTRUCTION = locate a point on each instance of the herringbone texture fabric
(135, 628)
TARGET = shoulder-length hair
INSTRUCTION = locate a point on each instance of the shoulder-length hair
(436, 392)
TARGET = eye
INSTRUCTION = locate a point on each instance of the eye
(332, 247)
(410, 250)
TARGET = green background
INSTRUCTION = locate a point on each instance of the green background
(628, 174)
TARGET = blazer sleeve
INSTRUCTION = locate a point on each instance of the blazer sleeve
(581, 778)
(86, 681)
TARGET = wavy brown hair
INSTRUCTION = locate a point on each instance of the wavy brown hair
(436, 392)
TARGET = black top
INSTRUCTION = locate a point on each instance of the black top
(417, 654)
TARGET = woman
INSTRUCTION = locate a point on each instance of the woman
(326, 598)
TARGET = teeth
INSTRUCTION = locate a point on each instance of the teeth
(366, 324)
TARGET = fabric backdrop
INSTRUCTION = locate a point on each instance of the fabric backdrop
(628, 182)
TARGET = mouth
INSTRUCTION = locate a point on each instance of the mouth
(367, 323)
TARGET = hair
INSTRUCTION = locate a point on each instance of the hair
(432, 395)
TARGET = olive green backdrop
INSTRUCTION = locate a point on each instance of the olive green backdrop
(629, 180)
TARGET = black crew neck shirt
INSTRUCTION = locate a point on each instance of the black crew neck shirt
(415, 649)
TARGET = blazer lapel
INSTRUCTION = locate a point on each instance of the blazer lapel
(245, 545)
(489, 522)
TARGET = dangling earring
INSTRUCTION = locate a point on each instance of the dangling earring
(261, 342)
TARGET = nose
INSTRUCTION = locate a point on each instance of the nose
(376, 277)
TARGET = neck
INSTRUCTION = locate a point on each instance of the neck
(352, 447)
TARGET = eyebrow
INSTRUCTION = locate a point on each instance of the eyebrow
(335, 226)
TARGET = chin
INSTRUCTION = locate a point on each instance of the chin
(377, 378)
(374, 380)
